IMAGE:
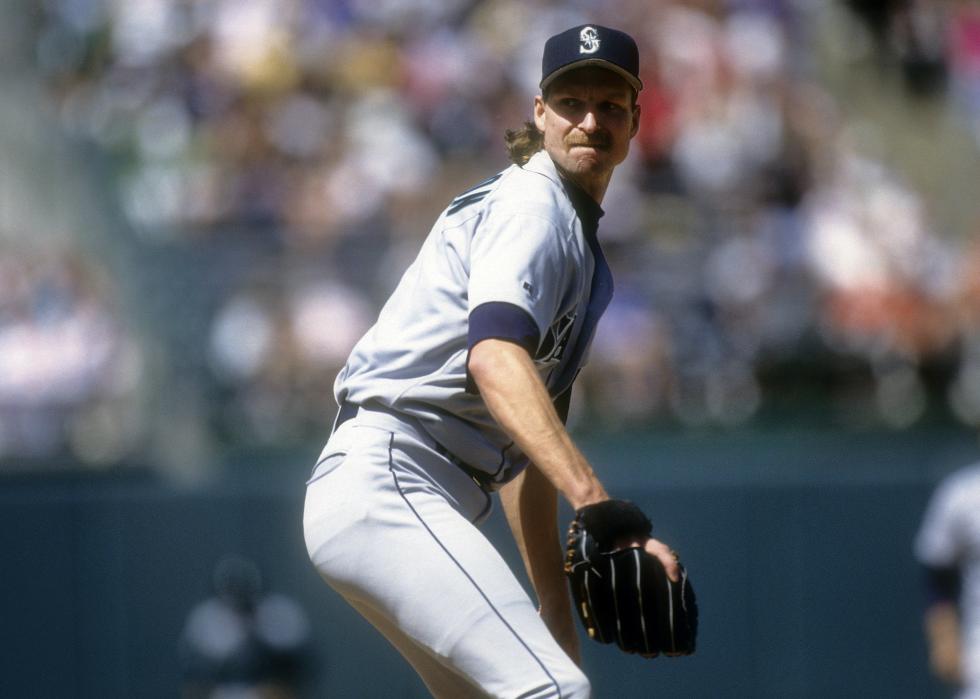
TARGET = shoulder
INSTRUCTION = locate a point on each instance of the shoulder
(534, 190)
(515, 189)
(957, 492)
(964, 484)
(529, 198)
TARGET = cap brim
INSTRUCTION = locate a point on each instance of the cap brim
(633, 81)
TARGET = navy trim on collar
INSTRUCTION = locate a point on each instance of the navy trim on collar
(601, 292)
(586, 207)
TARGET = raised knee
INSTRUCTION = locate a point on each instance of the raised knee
(566, 682)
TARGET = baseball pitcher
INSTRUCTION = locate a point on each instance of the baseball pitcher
(461, 389)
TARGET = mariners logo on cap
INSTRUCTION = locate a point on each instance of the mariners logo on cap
(581, 46)
(590, 40)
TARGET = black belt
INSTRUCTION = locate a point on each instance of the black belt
(346, 412)
(483, 479)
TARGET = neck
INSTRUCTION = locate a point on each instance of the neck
(587, 208)
(595, 187)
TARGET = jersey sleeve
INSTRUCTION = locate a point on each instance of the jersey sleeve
(937, 543)
(519, 260)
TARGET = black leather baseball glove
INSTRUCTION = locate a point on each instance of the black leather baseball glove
(624, 596)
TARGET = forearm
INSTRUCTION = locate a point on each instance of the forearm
(520, 403)
(531, 506)
(942, 626)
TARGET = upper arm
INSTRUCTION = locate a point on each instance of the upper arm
(938, 543)
(519, 260)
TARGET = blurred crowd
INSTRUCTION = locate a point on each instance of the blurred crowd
(69, 371)
(758, 246)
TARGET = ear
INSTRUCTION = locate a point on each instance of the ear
(539, 109)
(636, 120)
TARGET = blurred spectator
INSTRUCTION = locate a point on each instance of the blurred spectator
(918, 38)
(948, 546)
(244, 642)
(68, 368)
(963, 46)
(964, 390)
(885, 279)
(936, 43)
(274, 353)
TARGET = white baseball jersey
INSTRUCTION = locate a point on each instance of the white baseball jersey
(950, 538)
(515, 257)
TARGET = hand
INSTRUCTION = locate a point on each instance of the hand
(629, 588)
(668, 559)
(945, 663)
(667, 556)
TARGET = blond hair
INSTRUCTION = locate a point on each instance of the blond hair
(524, 142)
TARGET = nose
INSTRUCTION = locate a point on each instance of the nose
(589, 124)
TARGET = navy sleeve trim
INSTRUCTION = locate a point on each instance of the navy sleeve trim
(498, 320)
(942, 584)
(503, 321)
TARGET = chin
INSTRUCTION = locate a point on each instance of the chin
(589, 165)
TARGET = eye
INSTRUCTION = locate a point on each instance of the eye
(569, 102)
(613, 107)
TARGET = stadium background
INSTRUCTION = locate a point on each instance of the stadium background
(202, 205)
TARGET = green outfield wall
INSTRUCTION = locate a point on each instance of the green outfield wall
(799, 544)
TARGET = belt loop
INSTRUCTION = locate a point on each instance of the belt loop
(346, 411)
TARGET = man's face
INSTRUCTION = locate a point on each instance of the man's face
(587, 120)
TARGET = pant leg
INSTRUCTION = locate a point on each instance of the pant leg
(387, 539)
(440, 679)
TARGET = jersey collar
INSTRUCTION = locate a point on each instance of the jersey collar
(586, 207)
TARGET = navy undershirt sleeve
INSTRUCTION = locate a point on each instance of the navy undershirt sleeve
(503, 321)
(499, 320)
(942, 584)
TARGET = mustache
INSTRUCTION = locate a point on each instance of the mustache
(589, 142)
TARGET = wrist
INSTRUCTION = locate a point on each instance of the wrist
(589, 494)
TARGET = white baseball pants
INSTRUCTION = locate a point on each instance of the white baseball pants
(390, 524)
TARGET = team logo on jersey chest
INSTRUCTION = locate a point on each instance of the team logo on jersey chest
(590, 40)
(556, 340)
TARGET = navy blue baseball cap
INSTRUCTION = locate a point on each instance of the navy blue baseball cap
(591, 45)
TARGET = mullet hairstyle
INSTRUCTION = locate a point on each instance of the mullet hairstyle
(524, 142)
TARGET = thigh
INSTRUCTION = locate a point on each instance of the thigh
(429, 579)
(441, 679)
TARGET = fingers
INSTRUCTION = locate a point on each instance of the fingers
(667, 556)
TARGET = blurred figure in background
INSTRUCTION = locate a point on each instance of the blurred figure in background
(243, 643)
(948, 545)
(69, 366)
